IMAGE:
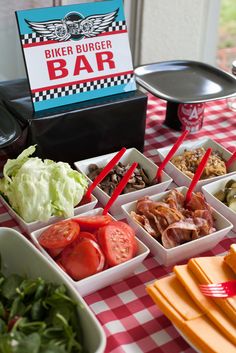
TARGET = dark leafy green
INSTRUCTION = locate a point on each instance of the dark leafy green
(37, 317)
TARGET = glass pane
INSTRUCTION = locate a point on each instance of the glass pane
(11, 59)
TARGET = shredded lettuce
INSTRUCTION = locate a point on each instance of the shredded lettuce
(38, 189)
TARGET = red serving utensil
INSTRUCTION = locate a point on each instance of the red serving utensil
(119, 187)
(103, 174)
(230, 160)
(197, 175)
(219, 290)
(170, 155)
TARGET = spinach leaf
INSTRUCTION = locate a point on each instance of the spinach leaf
(5, 344)
(27, 288)
(17, 308)
(3, 326)
(2, 310)
(37, 317)
(28, 327)
(2, 278)
(37, 310)
(26, 344)
(40, 289)
(53, 348)
(9, 286)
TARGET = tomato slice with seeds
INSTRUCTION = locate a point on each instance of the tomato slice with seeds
(129, 231)
(117, 242)
(82, 259)
(59, 235)
(88, 223)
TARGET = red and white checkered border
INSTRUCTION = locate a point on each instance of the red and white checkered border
(81, 87)
(30, 38)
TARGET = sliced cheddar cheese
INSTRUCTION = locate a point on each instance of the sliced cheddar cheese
(165, 306)
(170, 295)
(206, 304)
(215, 270)
(230, 258)
(171, 289)
(207, 336)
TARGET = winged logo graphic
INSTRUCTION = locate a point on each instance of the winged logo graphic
(73, 26)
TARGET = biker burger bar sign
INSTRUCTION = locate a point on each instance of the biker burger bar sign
(75, 53)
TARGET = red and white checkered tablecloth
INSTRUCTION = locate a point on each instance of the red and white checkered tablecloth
(132, 322)
(219, 125)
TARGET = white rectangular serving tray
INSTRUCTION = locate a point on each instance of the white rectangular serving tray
(131, 155)
(184, 251)
(183, 180)
(106, 277)
(210, 189)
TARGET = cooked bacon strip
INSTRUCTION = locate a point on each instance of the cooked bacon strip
(207, 215)
(169, 214)
(198, 202)
(160, 222)
(203, 227)
(145, 205)
(175, 199)
(178, 233)
(146, 224)
(171, 222)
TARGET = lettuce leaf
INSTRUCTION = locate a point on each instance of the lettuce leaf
(38, 189)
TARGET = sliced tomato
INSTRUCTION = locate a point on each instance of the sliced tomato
(94, 232)
(117, 244)
(55, 252)
(82, 259)
(88, 223)
(88, 235)
(60, 265)
(59, 235)
(129, 231)
(106, 266)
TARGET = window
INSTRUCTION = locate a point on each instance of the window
(11, 60)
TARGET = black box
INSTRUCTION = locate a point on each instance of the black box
(79, 131)
(13, 137)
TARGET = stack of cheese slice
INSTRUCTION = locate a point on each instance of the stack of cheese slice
(230, 258)
(209, 324)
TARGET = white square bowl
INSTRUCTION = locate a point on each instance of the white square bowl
(106, 277)
(210, 189)
(172, 256)
(131, 155)
(19, 256)
(29, 227)
(183, 180)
